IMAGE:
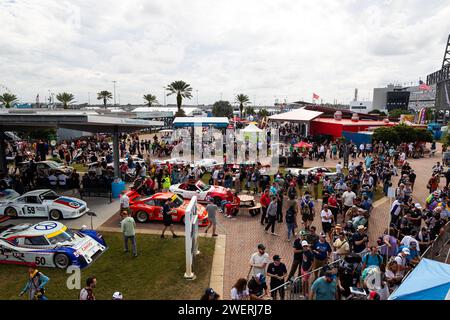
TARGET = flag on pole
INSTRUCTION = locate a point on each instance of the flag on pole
(315, 96)
(425, 87)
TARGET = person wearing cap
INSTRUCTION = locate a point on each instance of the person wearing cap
(257, 287)
(324, 288)
(306, 266)
(298, 254)
(277, 272)
(402, 262)
(341, 246)
(360, 239)
(259, 260)
(35, 285)
(322, 251)
(117, 296)
(210, 294)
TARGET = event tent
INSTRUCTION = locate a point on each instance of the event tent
(430, 280)
(251, 128)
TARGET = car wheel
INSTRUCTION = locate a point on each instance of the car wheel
(55, 214)
(11, 212)
(61, 260)
(141, 216)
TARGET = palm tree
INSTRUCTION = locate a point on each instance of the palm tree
(7, 99)
(242, 99)
(182, 90)
(105, 95)
(65, 98)
(150, 99)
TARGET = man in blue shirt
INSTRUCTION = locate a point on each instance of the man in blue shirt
(324, 288)
(35, 285)
(372, 259)
(322, 251)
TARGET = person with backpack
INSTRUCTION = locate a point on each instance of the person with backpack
(307, 207)
(291, 218)
(35, 285)
(372, 259)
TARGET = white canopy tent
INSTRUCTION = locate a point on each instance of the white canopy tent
(301, 116)
(251, 128)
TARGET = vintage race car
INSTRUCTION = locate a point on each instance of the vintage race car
(43, 203)
(204, 192)
(207, 164)
(50, 244)
(149, 208)
(314, 170)
(47, 165)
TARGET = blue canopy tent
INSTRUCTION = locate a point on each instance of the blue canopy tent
(430, 280)
(218, 122)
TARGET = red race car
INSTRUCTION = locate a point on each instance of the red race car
(149, 208)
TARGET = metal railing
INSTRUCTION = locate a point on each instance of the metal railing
(293, 288)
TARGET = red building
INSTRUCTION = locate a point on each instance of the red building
(335, 127)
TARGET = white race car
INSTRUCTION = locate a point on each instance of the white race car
(203, 191)
(208, 164)
(50, 244)
(44, 203)
(304, 172)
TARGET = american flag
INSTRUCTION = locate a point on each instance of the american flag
(315, 96)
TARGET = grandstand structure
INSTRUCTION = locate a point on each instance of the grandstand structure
(441, 79)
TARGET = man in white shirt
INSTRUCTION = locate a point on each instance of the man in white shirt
(401, 261)
(406, 241)
(396, 209)
(348, 197)
(339, 169)
(259, 261)
(215, 176)
(124, 202)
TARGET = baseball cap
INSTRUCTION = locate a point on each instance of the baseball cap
(276, 258)
(117, 296)
(361, 227)
(261, 246)
(406, 251)
(305, 243)
(418, 206)
(210, 292)
(260, 277)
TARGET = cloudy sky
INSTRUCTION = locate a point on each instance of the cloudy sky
(267, 49)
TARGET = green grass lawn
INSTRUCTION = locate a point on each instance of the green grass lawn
(157, 273)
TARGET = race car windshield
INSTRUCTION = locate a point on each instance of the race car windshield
(49, 195)
(176, 200)
(202, 186)
(53, 165)
(65, 236)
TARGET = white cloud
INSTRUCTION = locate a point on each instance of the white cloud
(267, 49)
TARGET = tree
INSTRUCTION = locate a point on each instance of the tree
(8, 99)
(377, 112)
(105, 96)
(250, 111)
(151, 99)
(182, 90)
(262, 113)
(222, 109)
(396, 113)
(402, 133)
(242, 99)
(65, 98)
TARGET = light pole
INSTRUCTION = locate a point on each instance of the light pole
(89, 99)
(114, 92)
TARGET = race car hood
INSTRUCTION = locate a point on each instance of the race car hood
(88, 248)
(69, 202)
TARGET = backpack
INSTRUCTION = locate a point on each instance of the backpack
(380, 260)
(290, 215)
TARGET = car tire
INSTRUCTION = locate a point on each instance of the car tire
(141, 216)
(11, 212)
(61, 260)
(55, 214)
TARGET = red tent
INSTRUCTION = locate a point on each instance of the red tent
(302, 144)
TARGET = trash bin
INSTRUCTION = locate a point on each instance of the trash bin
(116, 188)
